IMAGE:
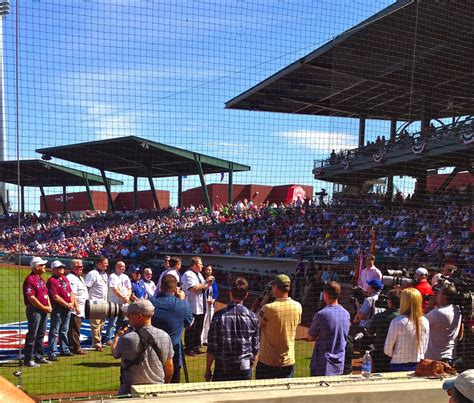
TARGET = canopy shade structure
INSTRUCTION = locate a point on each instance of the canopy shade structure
(411, 61)
(38, 173)
(41, 174)
(142, 158)
(139, 157)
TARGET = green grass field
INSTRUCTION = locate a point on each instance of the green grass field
(11, 297)
(94, 372)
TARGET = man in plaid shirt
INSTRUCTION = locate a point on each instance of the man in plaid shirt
(233, 339)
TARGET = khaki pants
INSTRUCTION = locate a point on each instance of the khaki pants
(96, 328)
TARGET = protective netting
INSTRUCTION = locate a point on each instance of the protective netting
(316, 155)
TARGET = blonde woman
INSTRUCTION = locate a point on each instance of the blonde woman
(407, 338)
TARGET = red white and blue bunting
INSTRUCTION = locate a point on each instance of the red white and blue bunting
(378, 157)
(346, 164)
(318, 171)
(418, 148)
(467, 138)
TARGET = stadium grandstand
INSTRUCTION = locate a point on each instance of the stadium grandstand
(334, 261)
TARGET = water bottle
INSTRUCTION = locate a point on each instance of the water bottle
(366, 365)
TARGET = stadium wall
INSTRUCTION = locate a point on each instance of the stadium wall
(79, 201)
(434, 182)
(125, 200)
(218, 193)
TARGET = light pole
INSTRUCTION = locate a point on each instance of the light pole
(4, 11)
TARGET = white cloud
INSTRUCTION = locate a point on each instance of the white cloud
(227, 145)
(320, 140)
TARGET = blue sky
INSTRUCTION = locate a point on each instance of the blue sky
(95, 69)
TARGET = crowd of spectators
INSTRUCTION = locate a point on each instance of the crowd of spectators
(406, 231)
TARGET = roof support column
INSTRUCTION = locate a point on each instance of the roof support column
(153, 192)
(4, 206)
(393, 133)
(89, 195)
(180, 191)
(421, 181)
(22, 199)
(231, 184)
(361, 131)
(393, 130)
(64, 200)
(107, 188)
(135, 193)
(425, 127)
(203, 183)
(448, 180)
(43, 196)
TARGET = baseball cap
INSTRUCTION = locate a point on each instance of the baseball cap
(136, 270)
(421, 271)
(464, 383)
(36, 261)
(57, 264)
(142, 306)
(282, 280)
(375, 284)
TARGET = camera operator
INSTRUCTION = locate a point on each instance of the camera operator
(379, 328)
(445, 325)
(447, 271)
(422, 285)
(265, 298)
(146, 352)
(366, 311)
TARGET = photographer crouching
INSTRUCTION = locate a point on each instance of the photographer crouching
(146, 352)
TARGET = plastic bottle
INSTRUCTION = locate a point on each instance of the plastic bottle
(366, 364)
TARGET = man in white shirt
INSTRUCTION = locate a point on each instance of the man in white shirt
(120, 289)
(79, 289)
(194, 287)
(97, 287)
(369, 273)
(445, 323)
(174, 268)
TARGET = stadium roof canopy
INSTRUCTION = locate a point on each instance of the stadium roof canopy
(139, 157)
(38, 173)
(41, 174)
(142, 158)
(413, 60)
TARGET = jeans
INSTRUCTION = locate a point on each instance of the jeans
(267, 372)
(59, 327)
(407, 366)
(231, 374)
(36, 330)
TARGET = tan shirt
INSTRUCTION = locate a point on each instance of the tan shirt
(278, 323)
